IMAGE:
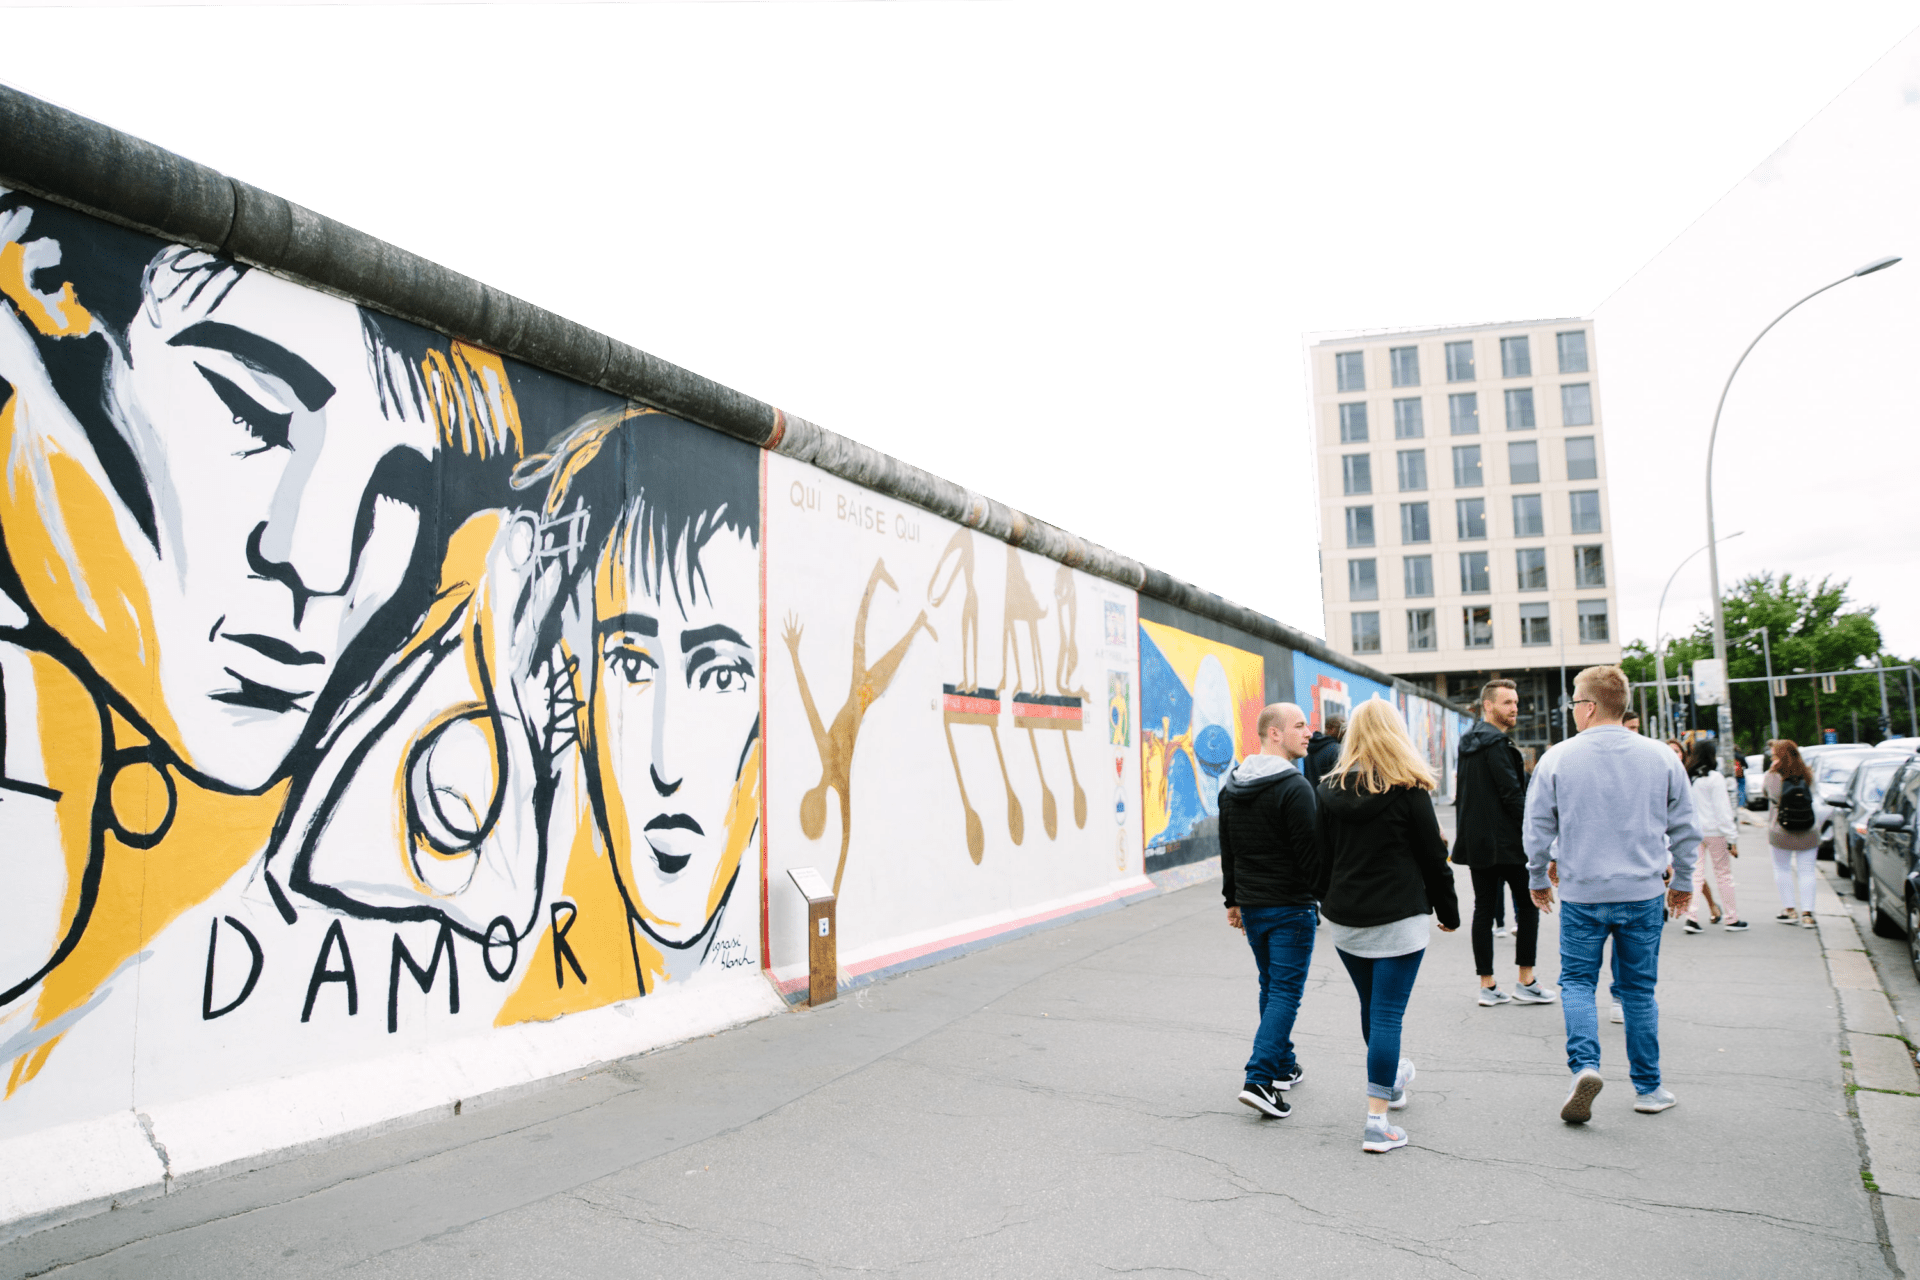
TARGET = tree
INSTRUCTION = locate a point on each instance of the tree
(1812, 629)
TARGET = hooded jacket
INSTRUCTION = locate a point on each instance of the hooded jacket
(1322, 752)
(1268, 857)
(1489, 800)
(1383, 856)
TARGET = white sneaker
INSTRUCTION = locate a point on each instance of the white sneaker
(1501, 931)
(1401, 1079)
(1619, 1013)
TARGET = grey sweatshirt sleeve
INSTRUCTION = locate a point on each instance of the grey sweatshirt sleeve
(1541, 825)
(1683, 833)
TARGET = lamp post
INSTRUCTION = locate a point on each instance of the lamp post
(1659, 646)
(1713, 556)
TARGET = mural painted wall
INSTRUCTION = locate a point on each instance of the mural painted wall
(359, 689)
(951, 726)
(1200, 701)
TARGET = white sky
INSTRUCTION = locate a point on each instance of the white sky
(1818, 449)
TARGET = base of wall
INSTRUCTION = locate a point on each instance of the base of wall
(87, 1168)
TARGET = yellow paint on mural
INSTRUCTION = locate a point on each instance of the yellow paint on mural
(1246, 683)
(57, 315)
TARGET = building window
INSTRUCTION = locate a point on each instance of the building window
(1350, 371)
(1405, 364)
(1479, 630)
(1366, 632)
(1463, 413)
(1470, 518)
(1413, 523)
(1532, 564)
(1359, 526)
(1356, 472)
(1363, 583)
(1535, 628)
(1420, 630)
(1523, 462)
(1516, 359)
(1585, 504)
(1353, 423)
(1412, 465)
(1573, 351)
(1528, 521)
(1520, 408)
(1475, 580)
(1593, 622)
(1460, 361)
(1408, 422)
(1589, 567)
(1582, 462)
(1576, 405)
(1418, 571)
(1466, 467)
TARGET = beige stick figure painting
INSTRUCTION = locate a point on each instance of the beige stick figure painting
(1036, 710)
(966, 703)
(836, 742)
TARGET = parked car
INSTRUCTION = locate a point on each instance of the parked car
(1901, 744)
(1893, 896)
(1756, 782)
(1832, 772)
(1859, 802)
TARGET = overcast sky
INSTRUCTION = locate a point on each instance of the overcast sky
(1819, 457)
(1819, 453)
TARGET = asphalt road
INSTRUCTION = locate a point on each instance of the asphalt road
(1064, 1105)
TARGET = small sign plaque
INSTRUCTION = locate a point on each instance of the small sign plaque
(812, 886)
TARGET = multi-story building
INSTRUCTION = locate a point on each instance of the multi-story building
(1463, 508)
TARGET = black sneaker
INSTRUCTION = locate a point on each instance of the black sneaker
(1290, 1079)
(1690, 925)
(1265, 1099)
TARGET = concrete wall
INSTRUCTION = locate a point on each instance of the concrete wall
(391, 720)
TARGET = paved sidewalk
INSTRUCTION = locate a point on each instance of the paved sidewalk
(1064, 1105)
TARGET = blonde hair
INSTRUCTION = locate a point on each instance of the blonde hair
(1608, 688)
(1377, 752)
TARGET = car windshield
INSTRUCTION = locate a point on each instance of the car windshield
(1832, 770)
(1873, 780)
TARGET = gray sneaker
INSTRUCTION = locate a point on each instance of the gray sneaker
(1401, 1079)
(1381, 1136)
(1654, 1103)
(1578, 1108)
(1619, 1013)
(1493, 995)
(1533, 993)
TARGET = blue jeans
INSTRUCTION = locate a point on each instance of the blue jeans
(1635, 928)
(1282, 942)
(1383, 986)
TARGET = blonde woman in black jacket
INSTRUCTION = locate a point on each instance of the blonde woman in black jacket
(1385, 867)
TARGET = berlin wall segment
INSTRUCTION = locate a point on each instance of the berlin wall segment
(387, 721)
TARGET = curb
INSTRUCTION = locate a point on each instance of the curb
(1881, 1081)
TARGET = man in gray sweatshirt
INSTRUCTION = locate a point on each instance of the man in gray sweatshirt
(1607, 811)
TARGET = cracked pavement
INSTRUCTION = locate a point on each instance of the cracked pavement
(1064, 1105)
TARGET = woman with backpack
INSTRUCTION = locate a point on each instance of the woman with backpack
(1790, 832)
(1384, 862)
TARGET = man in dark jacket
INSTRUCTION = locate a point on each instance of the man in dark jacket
(1323, 750)
(1268, 867)
(1490, 798)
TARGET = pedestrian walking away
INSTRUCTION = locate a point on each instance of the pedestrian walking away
(1269, 871)
(1322, 750)
(1490, 799)
(1385, 867)
(1790, 832)
(1619, 807)
(1719, 836)
(1740, 778)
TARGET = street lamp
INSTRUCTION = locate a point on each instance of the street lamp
(1713, 555)
(1659, 648)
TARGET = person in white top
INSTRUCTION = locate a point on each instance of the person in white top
(1719, 835)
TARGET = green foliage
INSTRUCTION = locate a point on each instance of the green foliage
(1812, 629)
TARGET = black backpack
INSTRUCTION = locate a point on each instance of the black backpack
(1796, 805)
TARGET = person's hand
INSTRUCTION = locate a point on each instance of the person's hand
(1677, 903)
(1543, 898)
(1446, 928)
(1553, 871)
(1233, 919)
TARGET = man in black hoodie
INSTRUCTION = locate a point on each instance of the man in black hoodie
(1490, 798)
(1323, 751)
(1268, 865)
